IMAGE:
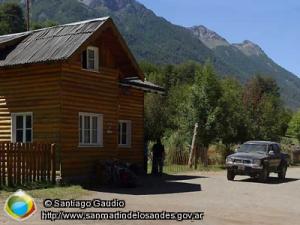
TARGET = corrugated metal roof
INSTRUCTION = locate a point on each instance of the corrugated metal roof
(48, 44)
(147, 86)
(7, 38)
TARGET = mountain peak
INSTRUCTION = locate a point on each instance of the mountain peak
(210, 38)
(249, 48)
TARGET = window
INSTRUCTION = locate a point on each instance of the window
(90, 129)
(125, 133)
(270, 148)
(276, 149)
(22, 127)
(90, 58)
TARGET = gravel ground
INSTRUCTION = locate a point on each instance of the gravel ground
(244, 201)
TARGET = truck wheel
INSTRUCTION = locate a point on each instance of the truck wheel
(230, 175)
(282, 172)
(264, 175)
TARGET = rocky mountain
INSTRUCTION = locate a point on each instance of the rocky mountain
(249, 58)
(208, 37)
(249, 48)
(156, 40)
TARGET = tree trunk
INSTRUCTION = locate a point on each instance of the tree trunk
(205, 156)
(196, 157)
(192, 150)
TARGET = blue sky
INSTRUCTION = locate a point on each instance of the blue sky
(272, 24)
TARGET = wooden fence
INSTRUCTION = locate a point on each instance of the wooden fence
(21, 163)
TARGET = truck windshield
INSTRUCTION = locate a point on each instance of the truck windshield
(259, 148)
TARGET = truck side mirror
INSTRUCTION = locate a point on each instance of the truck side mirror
(271, 152)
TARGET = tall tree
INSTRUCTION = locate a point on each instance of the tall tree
(233, 127)
(11, 18)
(205, 98)
(294, 126)
(265, 112)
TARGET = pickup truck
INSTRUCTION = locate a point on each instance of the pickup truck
(257, 159)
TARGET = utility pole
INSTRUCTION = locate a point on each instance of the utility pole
(28, 14)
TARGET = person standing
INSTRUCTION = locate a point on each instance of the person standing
(158, 151)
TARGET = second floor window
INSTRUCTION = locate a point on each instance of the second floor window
(90, 58)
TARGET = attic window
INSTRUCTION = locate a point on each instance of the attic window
(90, 59)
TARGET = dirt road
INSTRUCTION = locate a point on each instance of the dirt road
(243, 202)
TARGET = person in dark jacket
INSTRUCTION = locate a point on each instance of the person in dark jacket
(158, 151)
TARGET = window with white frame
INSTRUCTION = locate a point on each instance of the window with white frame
(22, 127)
(124, 133)
(90, 129)
(90, 58)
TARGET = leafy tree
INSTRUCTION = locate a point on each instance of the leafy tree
(155, 117)
(11, 18)
(294, 126)
(271, 120)
(225, 110)
(205, 99)
(264, 110)
(154, 110)
(179, 108)
(162, 113)
(233, 127)
(39, 25)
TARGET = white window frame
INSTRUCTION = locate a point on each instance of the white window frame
(128, 133)
(96, 58)
(99, 129)
(14, 126)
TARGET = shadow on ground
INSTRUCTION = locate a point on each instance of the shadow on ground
(271, 180)
(151, 185)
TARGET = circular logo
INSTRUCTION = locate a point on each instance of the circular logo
(20, 206)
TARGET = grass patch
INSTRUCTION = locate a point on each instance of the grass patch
(174, 168)
(65, 192)
(213, 168)
(295, 165)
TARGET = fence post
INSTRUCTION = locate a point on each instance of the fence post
(4, 160)
(53, 157)
(9, 165)
(19, 148)
(48, 154)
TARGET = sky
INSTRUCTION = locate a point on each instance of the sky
(272, 24)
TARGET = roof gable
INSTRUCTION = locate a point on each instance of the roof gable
(55, 43)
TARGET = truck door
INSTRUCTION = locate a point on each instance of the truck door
(277, 157)
(272, 160)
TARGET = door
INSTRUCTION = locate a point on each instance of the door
(277, 158)
(272, 158)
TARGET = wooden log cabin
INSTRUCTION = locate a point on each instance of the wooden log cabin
(76, 85)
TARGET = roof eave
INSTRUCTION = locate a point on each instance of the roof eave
(145, 89)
